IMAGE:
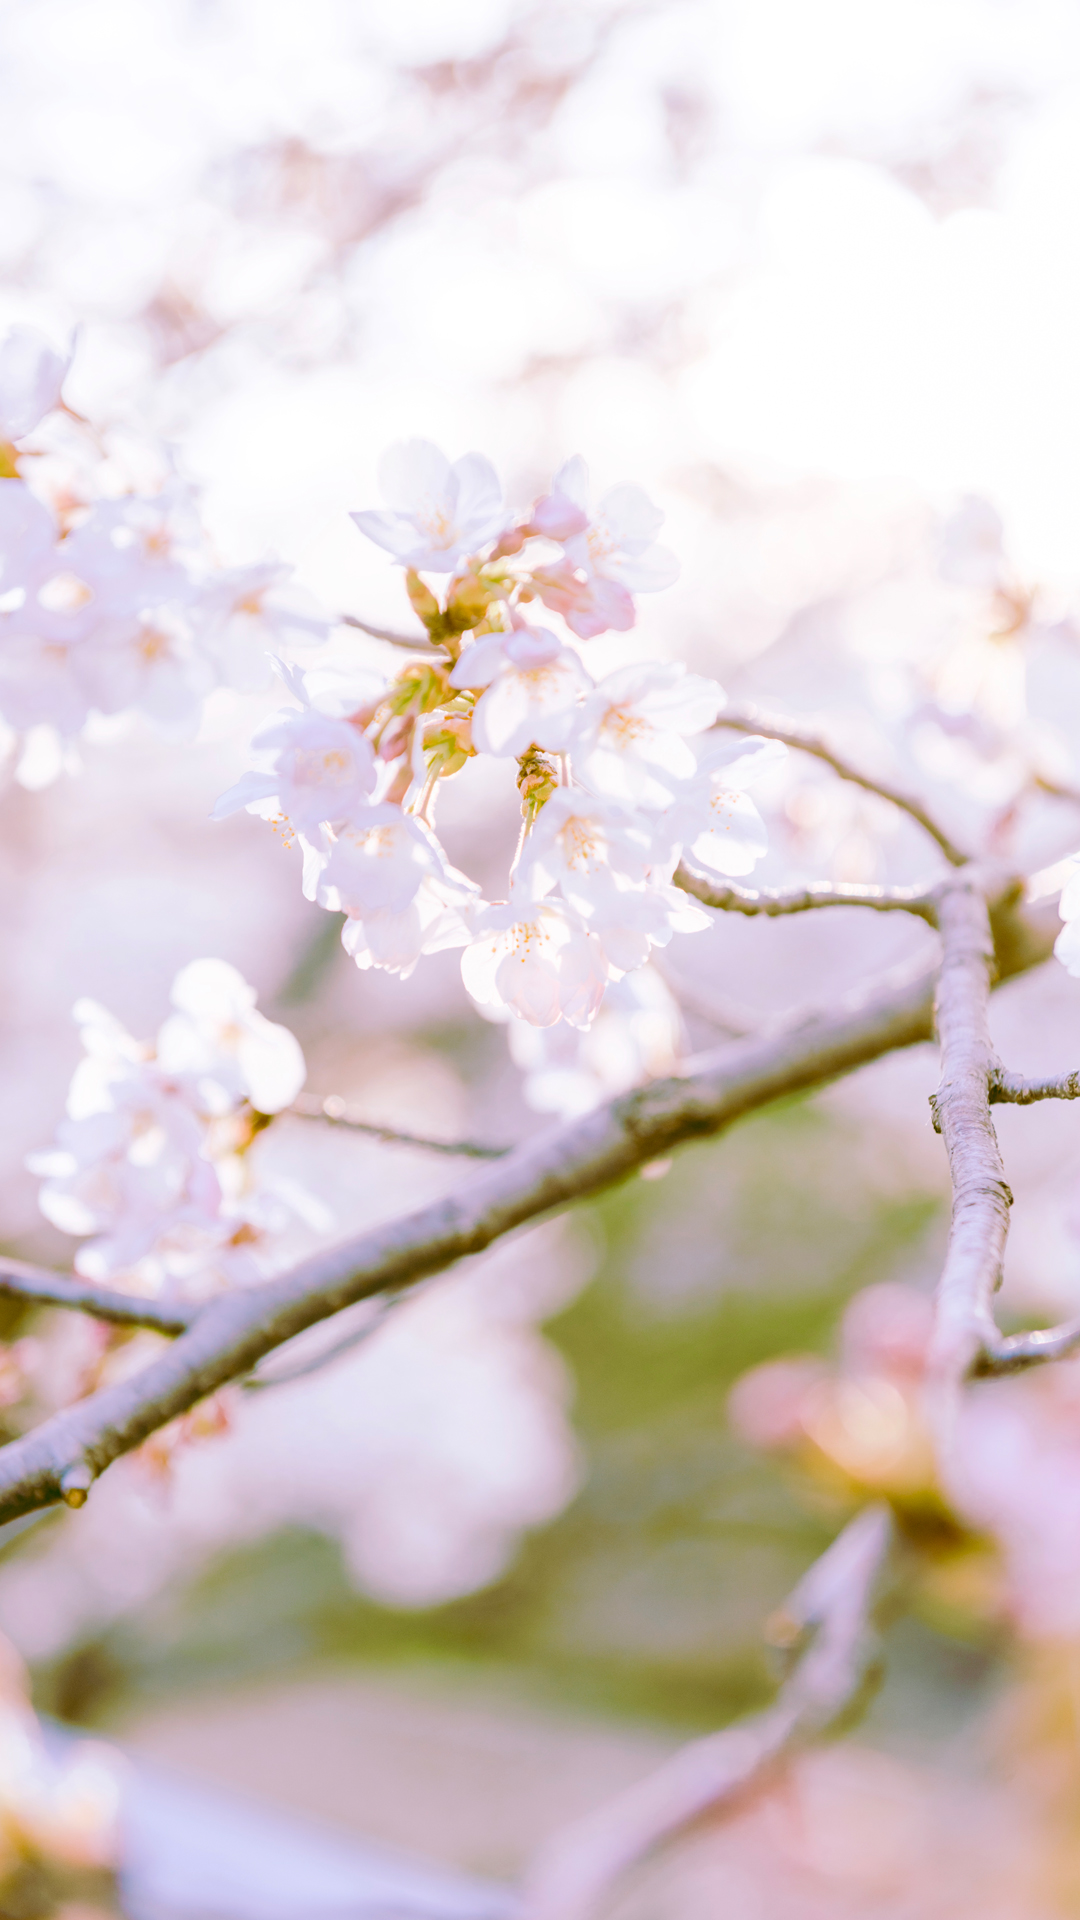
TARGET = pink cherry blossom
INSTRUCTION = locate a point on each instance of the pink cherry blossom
(533, 690)
(589, 604)
(616, 541)
(438, 512)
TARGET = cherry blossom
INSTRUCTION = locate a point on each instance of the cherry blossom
(589, 605)
(628, 738)
(128, 1167)
(31, 376)
(218, 1043)
(146, 663)
(1067, 944)
(130, 1176)
(637, 1034)
(440, 915)
(713, 820)
(539, 960)
(140, 551)
(247, 612)
(578, 841)
(617, 541)
(438, 512)
(310, 768)
(533, 688)
(375, 864)
(630, 921)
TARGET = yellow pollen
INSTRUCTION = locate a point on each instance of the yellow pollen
(317, 765)
(153, 644)
(579, 842)
(622, 726)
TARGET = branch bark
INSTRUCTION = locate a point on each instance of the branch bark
(234, 1331)
(38, 1287)
(964, 1326)
(1015, 1091)
(830, 1613)
(420, 645)
(335, 1111)
(748, 720)
(752, 900)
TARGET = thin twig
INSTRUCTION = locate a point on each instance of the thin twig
(1057, 789)
(1015, 1091)
(964, 1325)
(1015, 1352)
(753, 900)
(309, 1106)
(40, 1287)
(748, 720)
(233, 1331)
(259, 1382)
(422, 645)
(829, 1613)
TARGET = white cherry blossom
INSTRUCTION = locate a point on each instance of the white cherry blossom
(146, 663)
(309, 768)
(219, 1044)
(537, 959)
(28, 547)
(714, 821)
(616, 541)
(440, 915)
(140, 551)
(31, 376)
(129, 1175)
(128, 1167)
(247, 612)
(533, 689)
(630, 921)
(637, 1035)
(628, 739)
(578, 842)
(438, 512)
(375, 864)
(1067, 944)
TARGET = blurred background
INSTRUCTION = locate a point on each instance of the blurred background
(808, 270)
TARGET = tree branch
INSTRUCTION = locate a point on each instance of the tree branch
(334, 1110)
(39, 1287)
(1015, 1352)
(829, 1612)
(1018, 1092)
(748, 720)
(235, 1330)
(422, 645)
(751, 900)
(964, 1322)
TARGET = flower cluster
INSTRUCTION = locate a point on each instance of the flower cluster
(151, 1161)
(616, 783)
(115, 605)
